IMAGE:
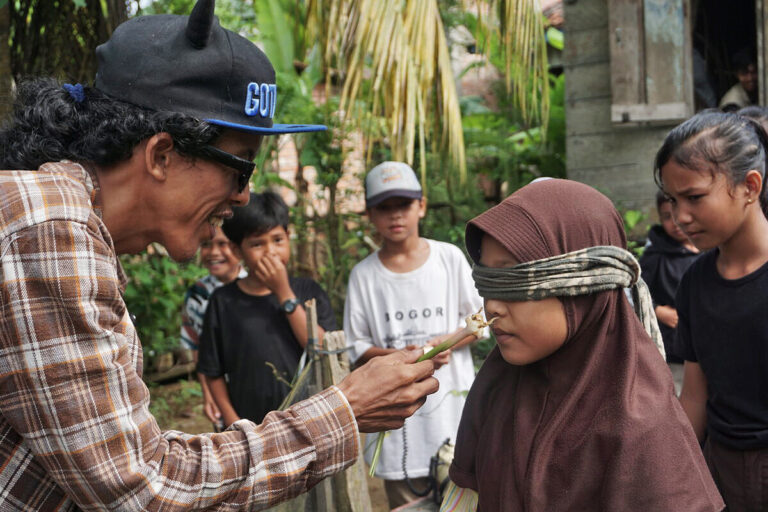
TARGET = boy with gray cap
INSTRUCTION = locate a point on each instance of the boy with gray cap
(159, 150)
(413, 292)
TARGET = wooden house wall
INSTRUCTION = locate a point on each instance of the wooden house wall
(617, 160)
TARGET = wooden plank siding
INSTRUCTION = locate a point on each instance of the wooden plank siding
(615, 159)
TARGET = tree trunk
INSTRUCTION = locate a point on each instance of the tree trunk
(303, 242)
(58, 39)
(6, 75)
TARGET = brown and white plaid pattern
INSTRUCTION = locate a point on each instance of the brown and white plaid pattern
(75, 431)
(589, 270)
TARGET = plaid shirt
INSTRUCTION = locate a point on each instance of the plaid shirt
(75, 431)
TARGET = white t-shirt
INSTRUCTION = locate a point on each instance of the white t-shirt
(391, 310)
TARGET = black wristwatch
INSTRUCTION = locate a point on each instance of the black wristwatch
(289, 306)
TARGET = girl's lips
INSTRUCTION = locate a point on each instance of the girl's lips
(498, 332)
(503, 337)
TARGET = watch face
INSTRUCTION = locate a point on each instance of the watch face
(289, 306)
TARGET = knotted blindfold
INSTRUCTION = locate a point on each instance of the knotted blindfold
(590, 270)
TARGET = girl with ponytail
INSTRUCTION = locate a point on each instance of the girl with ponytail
(712, 167)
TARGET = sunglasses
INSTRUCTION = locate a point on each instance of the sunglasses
(243, 167)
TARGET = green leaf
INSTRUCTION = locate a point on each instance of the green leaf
(313, 73)
(275, 34)
(79, 3)
(555, 38)
(2, 3)
(632, 218)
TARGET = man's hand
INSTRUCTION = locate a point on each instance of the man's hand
(272, 272)
(388, 389)
(667, 315)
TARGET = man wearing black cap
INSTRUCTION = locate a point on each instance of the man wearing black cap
(159, 150)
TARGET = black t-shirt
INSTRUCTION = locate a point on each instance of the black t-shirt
(242, 332)
(723, 325)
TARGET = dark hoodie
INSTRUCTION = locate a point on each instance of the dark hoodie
(663, 264)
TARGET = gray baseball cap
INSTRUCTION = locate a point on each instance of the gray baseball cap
(391, 179)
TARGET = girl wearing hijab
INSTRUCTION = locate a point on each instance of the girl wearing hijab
(575, 408)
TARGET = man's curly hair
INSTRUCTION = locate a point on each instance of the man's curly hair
(49, 125)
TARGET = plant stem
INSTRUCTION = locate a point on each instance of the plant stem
(376, 453)
(446, 345)
(475, 324)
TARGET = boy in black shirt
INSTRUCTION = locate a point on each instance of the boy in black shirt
(255, 328)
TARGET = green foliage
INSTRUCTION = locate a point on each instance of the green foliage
(632, 220)
(502, 149)
(481, 349)
(277, 31)
(58, 38)
(555, 38)
(168, 403)
(155, 295)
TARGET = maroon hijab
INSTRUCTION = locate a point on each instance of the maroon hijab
(596, 425)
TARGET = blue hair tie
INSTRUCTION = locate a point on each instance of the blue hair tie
(76, 91)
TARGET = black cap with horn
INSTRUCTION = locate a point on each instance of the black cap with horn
(194, 66)
(200, 23)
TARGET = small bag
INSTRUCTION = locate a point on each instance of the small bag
(448, 495)
(438, 469)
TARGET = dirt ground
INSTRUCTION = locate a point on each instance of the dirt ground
(178, 406)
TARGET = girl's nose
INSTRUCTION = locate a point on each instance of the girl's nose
(493, 309)
(681, 216)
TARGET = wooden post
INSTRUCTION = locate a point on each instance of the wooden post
(327, 364)
(351, 486)
(324, 490)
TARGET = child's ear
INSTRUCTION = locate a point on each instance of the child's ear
(422, 207)
(754, 183)
(236, 250)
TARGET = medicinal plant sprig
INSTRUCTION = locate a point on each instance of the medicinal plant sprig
(474, 327)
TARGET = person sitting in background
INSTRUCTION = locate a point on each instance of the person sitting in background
(223, 267)
(663, 264)
(743, 93)
(255, 328)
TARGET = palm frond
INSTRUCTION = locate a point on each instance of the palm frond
(396, 51)
(520, 27)
(400, 48)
